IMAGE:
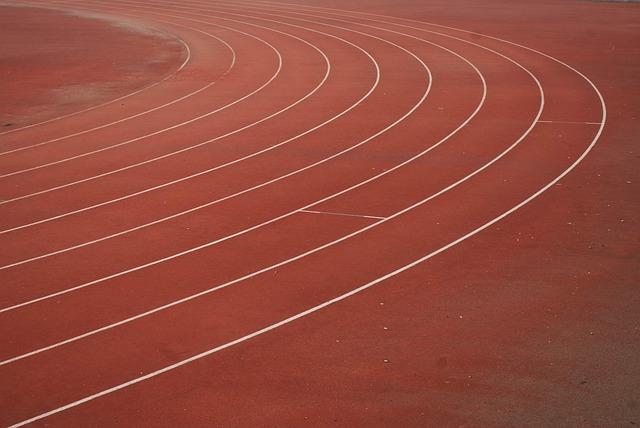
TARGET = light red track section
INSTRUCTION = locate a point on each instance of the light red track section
(320, 213)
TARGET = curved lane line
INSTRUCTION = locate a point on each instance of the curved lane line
(276, 325)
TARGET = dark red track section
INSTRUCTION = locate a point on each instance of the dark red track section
(362, 214)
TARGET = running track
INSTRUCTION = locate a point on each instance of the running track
(306, 176)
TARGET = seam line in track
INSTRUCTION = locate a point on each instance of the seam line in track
(565, 122)
(342, 214)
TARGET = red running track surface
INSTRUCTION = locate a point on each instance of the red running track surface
(362, 213)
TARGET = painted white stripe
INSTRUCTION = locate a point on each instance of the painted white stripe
(569, 122)
(341, 297)
(341, 214)
(346, 295)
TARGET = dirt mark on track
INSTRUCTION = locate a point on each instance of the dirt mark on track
(56, 62)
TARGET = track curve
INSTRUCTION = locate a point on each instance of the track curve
(302, 226)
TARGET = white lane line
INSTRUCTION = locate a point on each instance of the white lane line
(207, 142)
(127, 118)
(209, 244)
(341, 214)
(146, 88)
(203, 143)
(569, 122)
(161, 131)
